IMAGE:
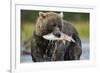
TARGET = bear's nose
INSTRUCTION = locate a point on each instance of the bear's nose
(57, 34)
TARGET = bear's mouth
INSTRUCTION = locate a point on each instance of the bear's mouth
(63, 37)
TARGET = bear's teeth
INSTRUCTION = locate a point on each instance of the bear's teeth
(63, 37)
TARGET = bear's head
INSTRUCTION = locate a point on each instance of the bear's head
(49, 25)
(49, 22)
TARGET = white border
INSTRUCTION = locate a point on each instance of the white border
(15, 56)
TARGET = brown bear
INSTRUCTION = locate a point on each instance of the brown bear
(54, 39)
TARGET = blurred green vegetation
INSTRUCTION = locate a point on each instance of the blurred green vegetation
(83, 29)
(80, 21)
(27, 30)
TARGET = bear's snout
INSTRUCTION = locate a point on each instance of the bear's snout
(57, 34)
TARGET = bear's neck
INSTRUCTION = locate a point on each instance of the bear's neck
(40, 41)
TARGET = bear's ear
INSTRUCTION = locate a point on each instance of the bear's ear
(61, 15)
(42, 14)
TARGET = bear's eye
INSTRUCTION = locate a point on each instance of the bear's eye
(54, 25)
(59, 26)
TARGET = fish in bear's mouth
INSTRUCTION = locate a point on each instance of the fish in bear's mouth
(63, 37)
